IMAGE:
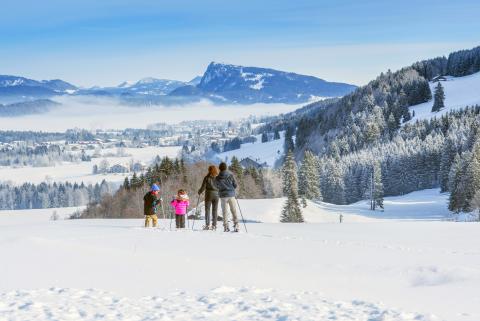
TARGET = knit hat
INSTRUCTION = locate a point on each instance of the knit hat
(155, 188)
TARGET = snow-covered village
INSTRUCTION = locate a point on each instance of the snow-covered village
(239, 161)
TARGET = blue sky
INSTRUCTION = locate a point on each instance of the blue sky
(105, 42)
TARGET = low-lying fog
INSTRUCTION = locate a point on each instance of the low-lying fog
(98, 113)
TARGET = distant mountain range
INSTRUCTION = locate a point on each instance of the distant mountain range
(247, 85)
(14, 86)
(220, 83)
(143, 87)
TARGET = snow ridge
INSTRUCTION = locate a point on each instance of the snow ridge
(220, 304)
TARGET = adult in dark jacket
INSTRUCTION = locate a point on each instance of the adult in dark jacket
(226, 187)
(150, 203)
(209, 185)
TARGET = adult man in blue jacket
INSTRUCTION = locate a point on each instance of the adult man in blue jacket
(226, 187)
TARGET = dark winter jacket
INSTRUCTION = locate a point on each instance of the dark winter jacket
(150, 202)
(226, 184)
(209, 185)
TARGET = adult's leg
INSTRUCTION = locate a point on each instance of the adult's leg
(208, 205)
(233, 209)
(223, 202)
(214, 211)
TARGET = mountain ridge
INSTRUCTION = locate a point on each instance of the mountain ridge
(220, 83)
(244, 85)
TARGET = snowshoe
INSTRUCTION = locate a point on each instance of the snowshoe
(214, 228)
(206, 228)
(235, 228)
(226, 229)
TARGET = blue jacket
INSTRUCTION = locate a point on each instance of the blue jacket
(226, 184)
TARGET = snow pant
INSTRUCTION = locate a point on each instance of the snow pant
(180, 221)
(230, 201)
(211, 204)
(152, 218)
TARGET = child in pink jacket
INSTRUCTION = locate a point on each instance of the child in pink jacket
(180, 203)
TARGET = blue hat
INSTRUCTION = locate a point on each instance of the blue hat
(155, 187)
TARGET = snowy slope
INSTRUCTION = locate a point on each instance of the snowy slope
(427, 204)
(459, 92)
(267, 211)
(260, 152)
(116, 270)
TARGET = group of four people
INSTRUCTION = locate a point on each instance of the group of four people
(219, 187)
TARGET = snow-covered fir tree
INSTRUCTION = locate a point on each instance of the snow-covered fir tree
(464, 179)
(264, 138)
(475, 203)
(456, 199)
(472, 174)
(289, 145)
(376, 198)
(309, 178)
(438, 98)
(276, 135)
(291, 212)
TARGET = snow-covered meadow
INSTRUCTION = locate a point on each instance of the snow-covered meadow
(408, 262)
(268, 152)
(362, 269)
(459, 93)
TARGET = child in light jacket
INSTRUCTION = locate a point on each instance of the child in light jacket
(180, 203)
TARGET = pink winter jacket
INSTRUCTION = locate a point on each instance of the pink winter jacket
(180, 206)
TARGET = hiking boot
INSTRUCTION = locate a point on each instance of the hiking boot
(214, 227)
(235, 227)
(206, 228)
(226, 229)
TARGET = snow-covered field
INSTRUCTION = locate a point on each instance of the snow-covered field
(362, 269)
(459, 92)
(267, 211)
(267, 152)
(90, 113)
(427, 204)
(82, 171)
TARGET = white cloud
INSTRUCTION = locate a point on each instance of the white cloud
(95, 113)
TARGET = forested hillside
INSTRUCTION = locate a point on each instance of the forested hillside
(365, 132)
(31, 196)
(173, 175)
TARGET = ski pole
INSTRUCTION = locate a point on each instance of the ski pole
(188, 220)
(241, 214)
(163, 210)
(171, 218)
(196, 209)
